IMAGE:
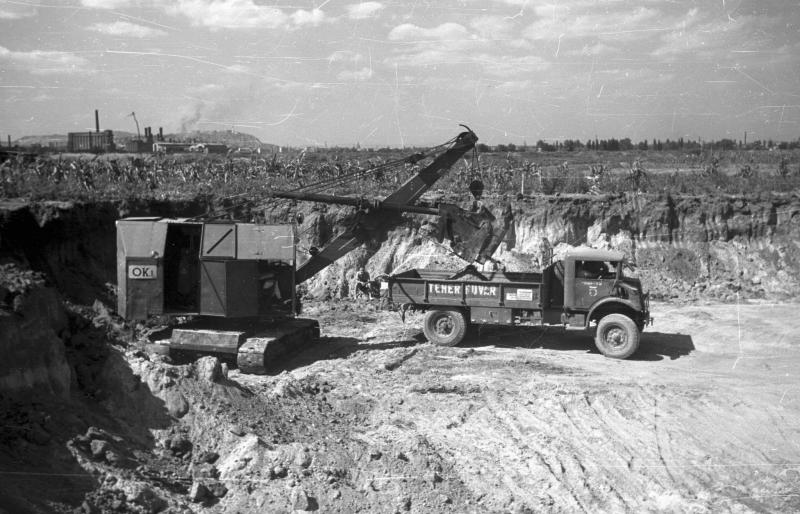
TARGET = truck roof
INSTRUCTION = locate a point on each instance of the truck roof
(593, 254)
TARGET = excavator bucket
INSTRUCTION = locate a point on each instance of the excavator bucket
(474, 236)
(469, 233)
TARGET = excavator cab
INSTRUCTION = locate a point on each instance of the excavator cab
(185, 267)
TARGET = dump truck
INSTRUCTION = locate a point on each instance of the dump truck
(586, 289)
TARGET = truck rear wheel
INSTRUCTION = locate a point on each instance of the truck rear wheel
(617, 336)
(444, 328)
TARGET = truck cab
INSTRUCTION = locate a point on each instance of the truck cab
(588, 283)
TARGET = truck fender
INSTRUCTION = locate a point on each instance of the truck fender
(613, 304)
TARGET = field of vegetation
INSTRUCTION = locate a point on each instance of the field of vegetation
(585, 171)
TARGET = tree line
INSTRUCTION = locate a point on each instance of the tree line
(625, 144)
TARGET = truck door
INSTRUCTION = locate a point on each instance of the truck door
(593, 280)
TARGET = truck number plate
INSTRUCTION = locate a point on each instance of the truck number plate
(142, 271)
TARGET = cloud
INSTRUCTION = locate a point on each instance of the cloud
(243, 14)
(514, 86)
(511, 66)
(312, 18)
(493, 27)
(596, 50)
(345, 56)
(706, 38)
(489, 48)
(355, 76)
(43, 62)
(106, 4)
(444, 32)
(229, 14)
(17, 12)
(363, 10)
(126, 29)
(611, 24)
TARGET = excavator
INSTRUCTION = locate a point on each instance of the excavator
(237, 281)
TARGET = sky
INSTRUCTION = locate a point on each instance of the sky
(386, 73)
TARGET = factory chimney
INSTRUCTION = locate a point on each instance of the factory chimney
(96, 121)
(160, 133)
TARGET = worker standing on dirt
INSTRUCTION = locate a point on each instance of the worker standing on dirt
(509, 228)
(545, 252)
(362, 282)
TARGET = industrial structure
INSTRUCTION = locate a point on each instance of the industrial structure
(145, 145)
(91, 141)
(164, 147)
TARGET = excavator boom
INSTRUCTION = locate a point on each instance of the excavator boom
(375, 217)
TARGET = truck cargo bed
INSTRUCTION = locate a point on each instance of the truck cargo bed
(467, 288)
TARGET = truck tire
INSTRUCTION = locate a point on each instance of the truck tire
(444, 327)
(617, 336)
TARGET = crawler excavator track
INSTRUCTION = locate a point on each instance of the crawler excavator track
(276, 342)
(254, 347)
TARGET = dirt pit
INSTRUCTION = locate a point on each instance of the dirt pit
(705, 417)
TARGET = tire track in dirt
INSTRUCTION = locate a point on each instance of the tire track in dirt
(542, 457)
(552, 430)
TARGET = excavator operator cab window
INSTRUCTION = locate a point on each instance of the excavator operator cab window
(275, 287)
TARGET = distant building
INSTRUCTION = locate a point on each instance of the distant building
(138, 146)
(90, 141)
(146, 145)
(209, 148)
(162, 147)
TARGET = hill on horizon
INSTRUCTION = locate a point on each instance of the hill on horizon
(228, 137)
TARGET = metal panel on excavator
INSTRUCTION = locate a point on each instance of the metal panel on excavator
(265, 242)
(219, 240)
(229, 288)
(140, 242)
(145, 295)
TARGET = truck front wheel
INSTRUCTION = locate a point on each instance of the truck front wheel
(444, 328)
(617, 336)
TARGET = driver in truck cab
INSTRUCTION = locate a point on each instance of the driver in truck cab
(590, 269)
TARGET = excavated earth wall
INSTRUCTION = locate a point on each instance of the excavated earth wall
(719, 248)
